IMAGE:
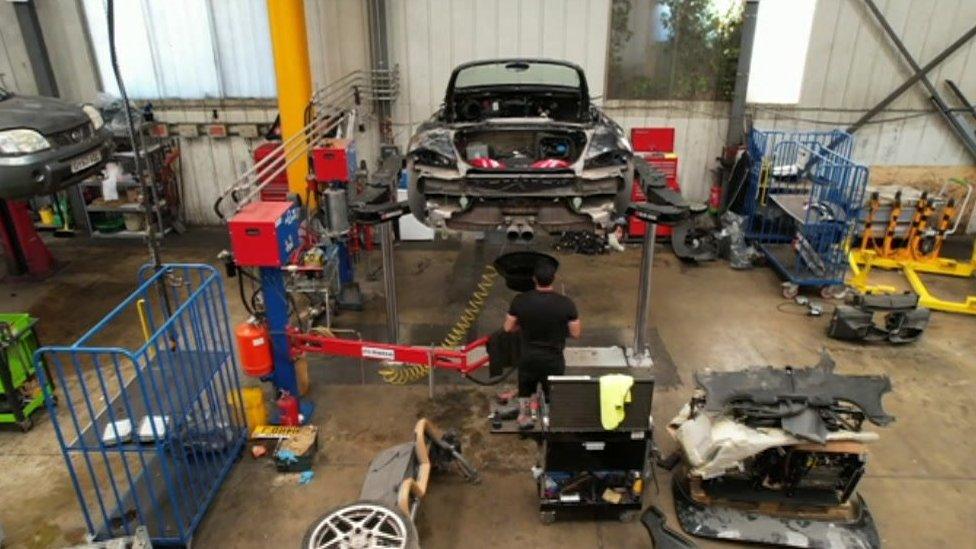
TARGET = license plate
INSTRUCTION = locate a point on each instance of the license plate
(85, 161)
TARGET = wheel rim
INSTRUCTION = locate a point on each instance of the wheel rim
(361, 526)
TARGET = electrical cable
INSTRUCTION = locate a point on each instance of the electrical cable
(136, 150)
(409, 373)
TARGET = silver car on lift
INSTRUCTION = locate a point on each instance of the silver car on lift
(47, 144)
(517, 146)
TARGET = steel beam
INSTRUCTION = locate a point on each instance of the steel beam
(30, 28)
(736, 131)
(968, 141)
(289, 41)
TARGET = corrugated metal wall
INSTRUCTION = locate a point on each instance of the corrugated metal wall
(851, 65)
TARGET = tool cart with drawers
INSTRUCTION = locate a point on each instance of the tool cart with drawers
(585, 471)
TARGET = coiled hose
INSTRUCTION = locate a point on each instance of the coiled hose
(408, 373)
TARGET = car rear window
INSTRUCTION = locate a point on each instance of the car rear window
(493, 74)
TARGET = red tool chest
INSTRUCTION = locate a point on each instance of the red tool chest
(656, 145)
(277, 188)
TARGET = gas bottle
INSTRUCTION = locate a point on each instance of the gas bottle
(254, 345)
(287, 409)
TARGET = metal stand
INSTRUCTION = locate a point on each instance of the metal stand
(389, 283)
(276, 308)
(640, 354)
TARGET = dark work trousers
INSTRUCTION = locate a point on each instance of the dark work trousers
(535, 368)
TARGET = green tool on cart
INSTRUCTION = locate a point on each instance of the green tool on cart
(20, 391)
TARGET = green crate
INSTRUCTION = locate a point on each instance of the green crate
(20, 354)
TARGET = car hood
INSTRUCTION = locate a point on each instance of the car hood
(44, 114)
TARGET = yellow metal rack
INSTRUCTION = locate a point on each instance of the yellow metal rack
(917, 252)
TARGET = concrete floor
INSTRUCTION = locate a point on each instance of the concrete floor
(920, 483)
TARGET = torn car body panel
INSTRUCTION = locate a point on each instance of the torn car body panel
(774, 455)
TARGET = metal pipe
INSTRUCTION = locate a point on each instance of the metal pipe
(641, 337)
(389, 283)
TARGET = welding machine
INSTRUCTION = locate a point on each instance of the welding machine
(335, 161)
(264, 234)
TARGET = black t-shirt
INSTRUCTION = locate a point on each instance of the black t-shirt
(543, 319)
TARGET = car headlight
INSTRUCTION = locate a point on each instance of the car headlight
(22, 141)
(608, 147)
(433, 148)
(96, 117)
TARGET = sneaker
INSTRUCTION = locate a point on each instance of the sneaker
(524, 419)
(505, 397)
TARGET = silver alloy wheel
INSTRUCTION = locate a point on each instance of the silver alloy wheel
(360, 526)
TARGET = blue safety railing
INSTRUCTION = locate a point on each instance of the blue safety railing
(807, 200)
(146, 423)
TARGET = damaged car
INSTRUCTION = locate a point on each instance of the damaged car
(774, 455)
(518, 146)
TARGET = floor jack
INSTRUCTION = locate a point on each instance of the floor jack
(914, 248)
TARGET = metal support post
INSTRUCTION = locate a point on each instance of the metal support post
(911, 81)
(640, 354)
(737, 117)
(968, 141)
(389, 283)
(30, 28)
(289, 41)
(276, 310)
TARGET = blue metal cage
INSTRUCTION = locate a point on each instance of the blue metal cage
(805, 197)
(148, 425)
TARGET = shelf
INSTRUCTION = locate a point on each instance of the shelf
(119, 184)
(128, 234)
(129, 207)
(148, 150)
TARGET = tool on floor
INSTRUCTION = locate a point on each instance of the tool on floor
(20, 389)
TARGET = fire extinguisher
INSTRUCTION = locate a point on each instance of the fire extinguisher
(254, 347)
(287, 409)
(715, 200)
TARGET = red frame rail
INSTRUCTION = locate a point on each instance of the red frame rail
(437, 357)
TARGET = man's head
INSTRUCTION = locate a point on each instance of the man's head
(544, 274)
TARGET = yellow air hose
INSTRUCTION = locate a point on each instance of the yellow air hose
(408, 373)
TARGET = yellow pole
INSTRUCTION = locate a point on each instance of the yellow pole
(290, 44)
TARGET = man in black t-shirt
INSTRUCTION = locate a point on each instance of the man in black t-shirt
(544, 318)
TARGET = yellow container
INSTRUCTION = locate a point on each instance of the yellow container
(255, 411)
(47, 215)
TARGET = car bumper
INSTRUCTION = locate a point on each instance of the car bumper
(49, 171)
(553, 201)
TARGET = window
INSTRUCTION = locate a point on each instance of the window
(674, 49)
(544, 74)
(186, 49)
(779, 51)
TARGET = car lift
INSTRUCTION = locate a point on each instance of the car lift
(920, 249)
(27, 255)
(289, 342)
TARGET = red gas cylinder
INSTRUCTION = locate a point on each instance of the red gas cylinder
(254, 345)
(288, 409)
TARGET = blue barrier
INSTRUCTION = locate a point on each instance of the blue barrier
(173, 386)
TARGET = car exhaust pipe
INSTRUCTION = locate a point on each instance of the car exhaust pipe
(526, 233)
(512, 233)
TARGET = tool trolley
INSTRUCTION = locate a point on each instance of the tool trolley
(20, 391)
(585, 471)
(147, 426)
(805, 195)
